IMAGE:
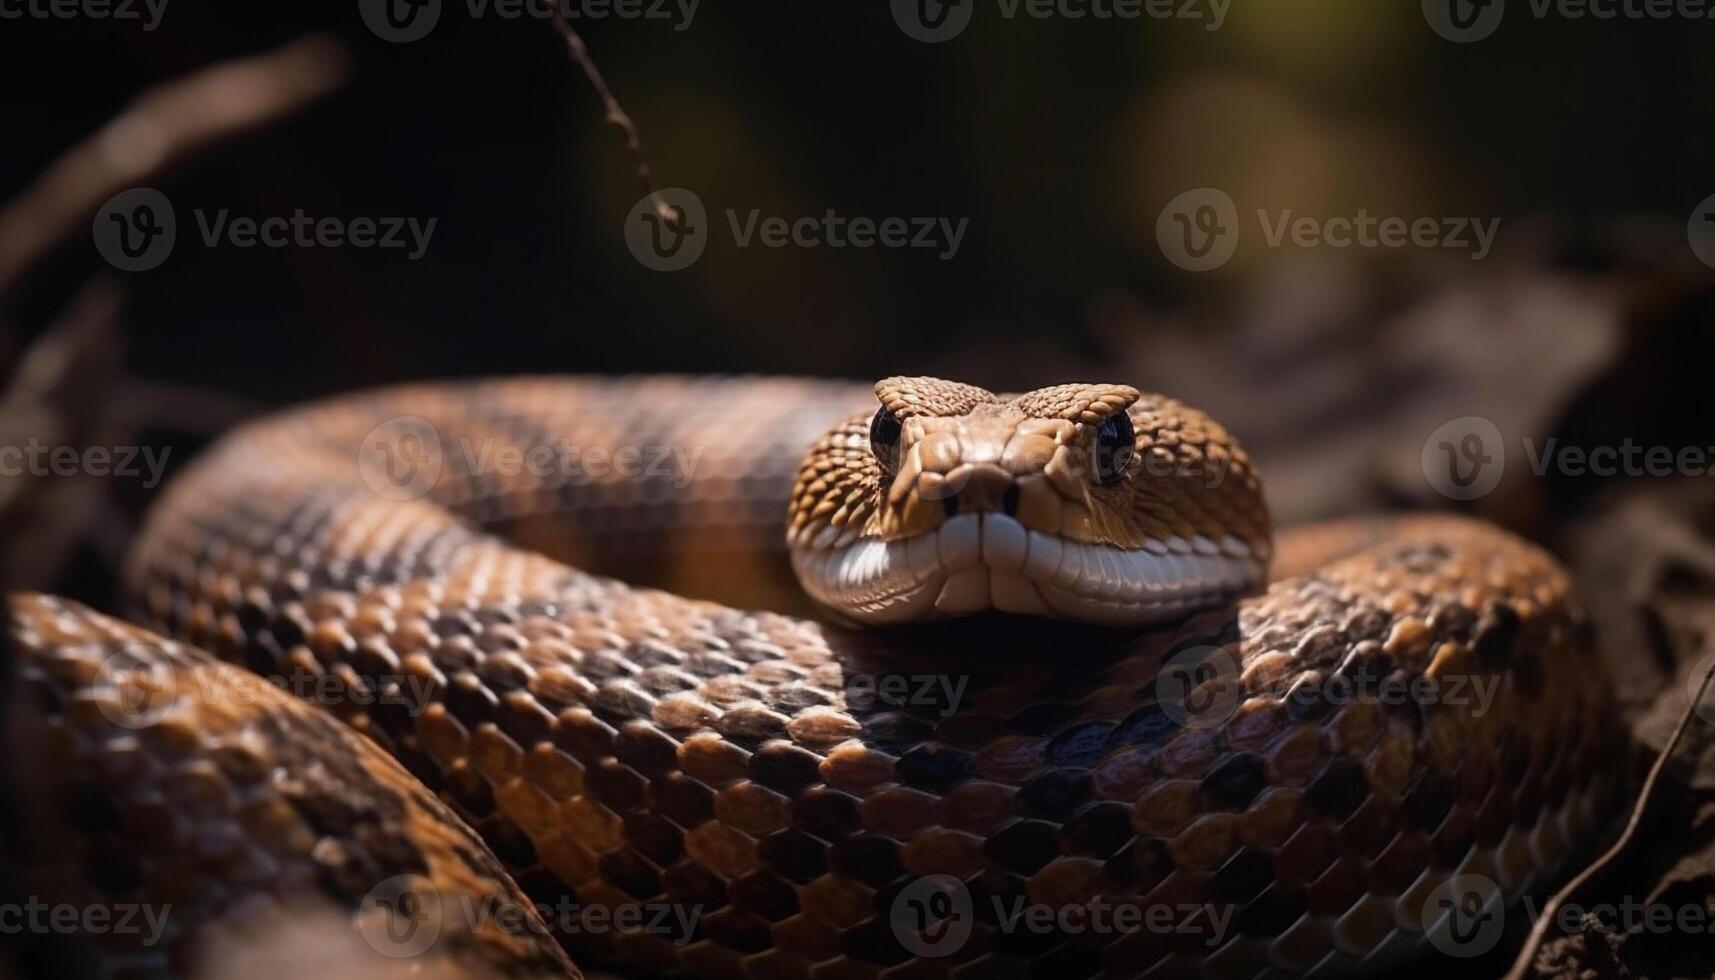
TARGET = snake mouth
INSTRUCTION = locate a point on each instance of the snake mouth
(982, 562)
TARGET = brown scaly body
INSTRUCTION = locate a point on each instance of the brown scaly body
(795, 784)
(204, 812)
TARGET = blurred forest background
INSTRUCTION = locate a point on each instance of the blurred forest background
(1060, 140)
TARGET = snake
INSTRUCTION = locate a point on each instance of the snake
(775, 677)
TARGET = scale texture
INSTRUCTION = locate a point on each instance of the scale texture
(799, 786)
(209, 815)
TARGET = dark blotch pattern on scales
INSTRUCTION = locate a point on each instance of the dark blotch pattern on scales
(778, 784)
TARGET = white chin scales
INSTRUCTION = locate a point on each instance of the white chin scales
(980, 562)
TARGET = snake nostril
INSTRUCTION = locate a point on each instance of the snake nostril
(1009, 500)
(950, 504)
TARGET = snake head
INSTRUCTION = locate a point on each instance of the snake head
(1088, 502)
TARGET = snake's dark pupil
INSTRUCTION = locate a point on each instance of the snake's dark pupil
(1115, 442)
(884, 436)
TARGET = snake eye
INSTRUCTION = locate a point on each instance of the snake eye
(1115, 445)
(884, 432)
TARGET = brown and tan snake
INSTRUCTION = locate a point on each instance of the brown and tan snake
(1045, 682)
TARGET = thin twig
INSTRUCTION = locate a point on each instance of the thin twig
(162, 126)
(1550, 911)
(613, 112)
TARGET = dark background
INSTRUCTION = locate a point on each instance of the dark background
(1059, 140)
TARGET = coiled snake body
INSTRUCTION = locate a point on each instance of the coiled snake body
(1280, 784)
